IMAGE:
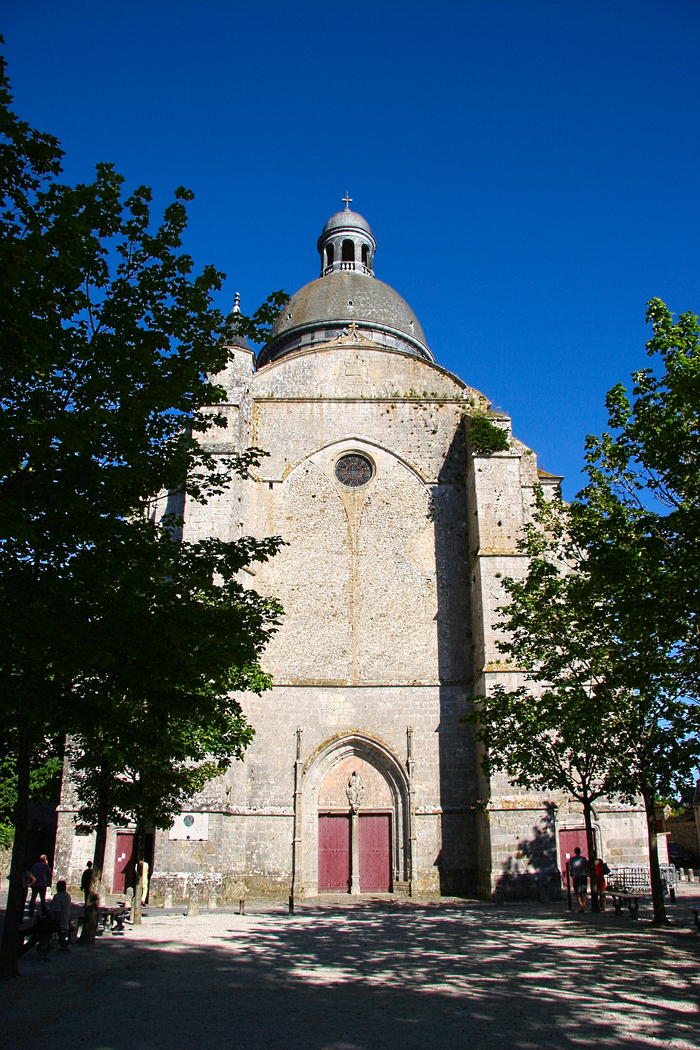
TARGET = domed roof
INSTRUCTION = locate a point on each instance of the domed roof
(347, 296)
(346, 218)
(340, 298)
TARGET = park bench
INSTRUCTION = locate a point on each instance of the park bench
(628, 884)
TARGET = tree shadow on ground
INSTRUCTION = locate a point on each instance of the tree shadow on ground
(381, 975)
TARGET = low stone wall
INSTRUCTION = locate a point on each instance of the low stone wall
(213, 886)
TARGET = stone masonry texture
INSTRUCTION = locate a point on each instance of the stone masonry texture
(390, 592)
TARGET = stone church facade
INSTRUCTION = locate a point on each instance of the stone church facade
(362, 776)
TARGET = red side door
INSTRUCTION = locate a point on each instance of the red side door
(334, 853)
(124, 863)
(375, 853)
(569, 839)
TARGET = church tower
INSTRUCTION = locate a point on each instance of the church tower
(362, 777)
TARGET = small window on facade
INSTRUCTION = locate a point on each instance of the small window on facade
(365, 255)
(329, 255)
(348, 251)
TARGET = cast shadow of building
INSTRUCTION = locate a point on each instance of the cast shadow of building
(457, 859)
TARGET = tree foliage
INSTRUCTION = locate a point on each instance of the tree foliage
(604, 624)
(109, 345)
(559, 735)
(44, 782)
(644, 496)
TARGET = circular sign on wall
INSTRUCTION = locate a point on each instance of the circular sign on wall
(353, 470)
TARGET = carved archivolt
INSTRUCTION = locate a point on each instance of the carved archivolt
(384, 786)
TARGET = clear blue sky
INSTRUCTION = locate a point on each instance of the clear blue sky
(530, 169)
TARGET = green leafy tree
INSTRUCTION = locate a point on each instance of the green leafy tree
(44, 781)
(605, 622)
(561, 734)
(157, 765)
(639, 518)
(108, 342)
(169, 644)
(643, 497)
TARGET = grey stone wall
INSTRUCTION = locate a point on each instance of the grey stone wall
(391, 594)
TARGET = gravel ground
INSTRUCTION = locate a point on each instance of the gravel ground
(363, 976)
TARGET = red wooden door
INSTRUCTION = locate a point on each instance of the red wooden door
(124, 863)
(375, 853)
(334, 853)
(569, 839)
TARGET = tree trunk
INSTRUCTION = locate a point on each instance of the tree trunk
(96, 882)
(11, 937)
(138, 889)
(657, 889)
(590, 840)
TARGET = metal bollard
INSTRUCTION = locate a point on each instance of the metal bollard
(241, 906)
(291, 903)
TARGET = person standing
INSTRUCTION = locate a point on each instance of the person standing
(144, 882)
(27, 881)
(578, 867)
(42, 878)
(60, 912)
(601, 870)
(86, 881)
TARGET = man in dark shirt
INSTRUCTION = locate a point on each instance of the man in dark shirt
(42, 874)
(578, 867)
(86, 881)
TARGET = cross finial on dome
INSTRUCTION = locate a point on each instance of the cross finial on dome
(348, 200)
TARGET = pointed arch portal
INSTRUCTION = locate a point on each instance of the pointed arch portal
(355, 818)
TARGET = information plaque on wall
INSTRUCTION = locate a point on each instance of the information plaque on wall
(194, 826)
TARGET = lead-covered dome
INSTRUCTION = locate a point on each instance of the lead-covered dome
(345, 219)
(347, 293)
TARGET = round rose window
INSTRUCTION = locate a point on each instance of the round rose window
(353, 471)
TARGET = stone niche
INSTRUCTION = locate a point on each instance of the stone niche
(333, 793)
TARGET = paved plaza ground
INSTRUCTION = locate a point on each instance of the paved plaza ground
(375, 974)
